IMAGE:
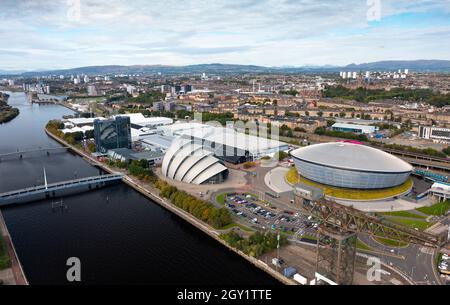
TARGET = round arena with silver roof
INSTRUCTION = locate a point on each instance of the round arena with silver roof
(349, 165)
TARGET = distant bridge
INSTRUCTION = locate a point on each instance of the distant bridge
(21, 153)
(58, 189)
(414, 155)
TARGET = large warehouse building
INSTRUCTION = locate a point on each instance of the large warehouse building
(226, 144)
(349, 165)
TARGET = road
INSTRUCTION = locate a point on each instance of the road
(414, 261)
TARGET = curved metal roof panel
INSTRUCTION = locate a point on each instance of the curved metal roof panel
(209, 172)
(351, 156)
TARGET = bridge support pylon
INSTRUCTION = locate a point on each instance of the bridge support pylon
(336, 253)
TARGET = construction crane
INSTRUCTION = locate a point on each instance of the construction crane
(340, 225)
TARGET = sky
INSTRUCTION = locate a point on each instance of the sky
(57, 34)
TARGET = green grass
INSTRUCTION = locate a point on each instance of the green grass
(362, 246)
(438, 259)
(221, 198)
(404, 214)
(437, 209)
(308, 236)
(390, 242)
(5, 262)
(412, 223)
(234, 225)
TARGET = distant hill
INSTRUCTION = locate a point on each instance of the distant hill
(413, 65)
(216, 68)
(153, 69)
(11, 72)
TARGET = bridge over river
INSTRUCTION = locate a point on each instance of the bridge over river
(20, 154)
(58, 189)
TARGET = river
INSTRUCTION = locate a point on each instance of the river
(120, 236)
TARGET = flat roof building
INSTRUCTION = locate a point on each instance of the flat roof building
(125, 154)
(346, 127)
(138, 120)
(226, 143)
(438, 134)
(84, 121)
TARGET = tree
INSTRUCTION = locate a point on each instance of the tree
(281, 155)
(249, 164)
(446, 150)
(320, 113)
(143, 163)
(91, 147)
(89, 134)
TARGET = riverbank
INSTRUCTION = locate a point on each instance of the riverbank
(153, 194)
(14, 275)
(7, 113)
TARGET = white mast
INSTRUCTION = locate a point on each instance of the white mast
(45, 179)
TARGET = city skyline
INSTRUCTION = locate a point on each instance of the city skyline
(65, 34)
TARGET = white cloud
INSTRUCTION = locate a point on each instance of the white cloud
(265, 32)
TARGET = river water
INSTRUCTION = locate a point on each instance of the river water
(120, 236)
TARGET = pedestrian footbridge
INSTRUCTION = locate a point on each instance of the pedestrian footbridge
(58, 189)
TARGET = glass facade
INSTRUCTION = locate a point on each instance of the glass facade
(346, 178)
(111, 134)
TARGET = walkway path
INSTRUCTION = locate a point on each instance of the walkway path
(276, 181)
(15, 274)
(387, 205)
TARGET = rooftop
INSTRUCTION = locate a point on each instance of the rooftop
(352, 156)
(84, 121)
(134, 155)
